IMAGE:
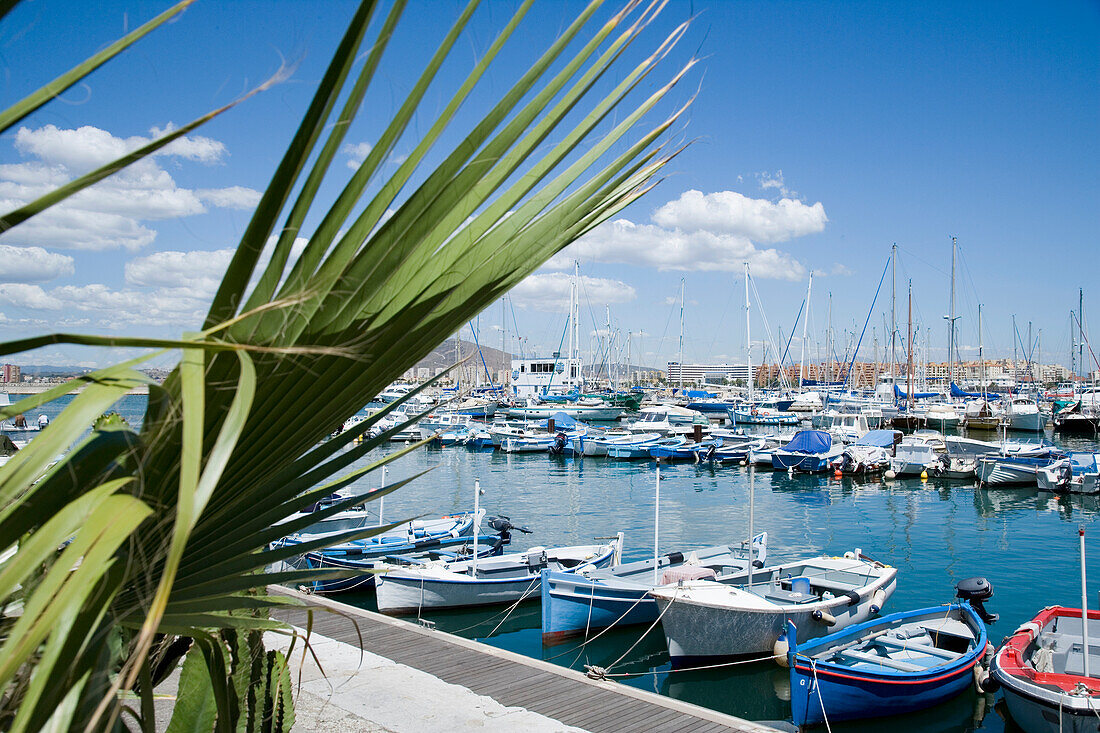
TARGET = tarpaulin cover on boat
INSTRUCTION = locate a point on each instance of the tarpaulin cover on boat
(956, 391)
(879, 438)
(697, 394)
(810, 441)
(900, 394)
(561, 420)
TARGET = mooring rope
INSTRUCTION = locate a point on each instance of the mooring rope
(813, 666)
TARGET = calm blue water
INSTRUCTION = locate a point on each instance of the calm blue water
(936, 533)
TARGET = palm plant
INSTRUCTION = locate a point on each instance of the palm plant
(140, 547)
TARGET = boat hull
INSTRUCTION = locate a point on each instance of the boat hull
(701, 634)
(824, 689)
(1003, 473)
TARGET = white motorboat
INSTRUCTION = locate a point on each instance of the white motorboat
(913, 456)
(1078, 473)
(942, 416)
(704, 620)
(478, 582)
(667, 419)
(1024, 414)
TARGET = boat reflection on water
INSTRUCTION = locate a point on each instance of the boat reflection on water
(999, 502)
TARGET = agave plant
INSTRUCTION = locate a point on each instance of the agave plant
(138, 548)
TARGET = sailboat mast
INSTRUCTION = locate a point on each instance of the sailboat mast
(1080, 329)
(981, 357)
(748, 340)
(805, 322)
(893, 312)
(829, 345)
(909, 344)
(951, 318)
(681, 334)
(1015, 368)
(503, 340)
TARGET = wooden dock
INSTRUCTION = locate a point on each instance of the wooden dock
(511, 679)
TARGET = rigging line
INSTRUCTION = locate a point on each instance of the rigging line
(767, 328)
(865, 322)
(482, 356)
(924, 261)
(793, 329)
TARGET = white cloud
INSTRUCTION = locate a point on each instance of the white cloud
(357, 152)
(774, 180)
(22, 295)
(625, 242)
(703, 232)
(729, 212)
(234, 197)
(32, 264)
(109, 215)
(550, 291)
(199, 272)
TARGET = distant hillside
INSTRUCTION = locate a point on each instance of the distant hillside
(444, 356)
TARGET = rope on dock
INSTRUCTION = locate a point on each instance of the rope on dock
(604, 674)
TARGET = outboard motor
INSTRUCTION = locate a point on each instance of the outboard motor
(503, 526)
(558, 447)
(976, 591)
(710, 452)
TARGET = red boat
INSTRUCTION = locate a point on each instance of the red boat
(1041, 668)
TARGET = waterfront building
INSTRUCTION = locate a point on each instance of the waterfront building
(698, 373)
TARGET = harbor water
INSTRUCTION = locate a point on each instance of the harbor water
(935, 532)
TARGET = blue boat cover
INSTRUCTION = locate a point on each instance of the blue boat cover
(561, 420)
(697, 394)
(880, 438)
(956, 391)
(810, 441)
(898, 394)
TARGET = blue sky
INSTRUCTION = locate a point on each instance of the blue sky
(823, 133)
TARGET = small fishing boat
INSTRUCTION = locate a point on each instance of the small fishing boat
(1078, 473)
(528, 443)
(362, 566)
(956, 467)
(762, 415)
(705, 620)
(590, 600)
(668, 419)
(501, 579)
(868, 455)
(728, 449)
(913, 456)
(892, 665)
(633, 449)
(673, 449)
(402, 536)
(1012, 470)
(577, 411)
(810, 451)
(1042, 669)
(597, 444)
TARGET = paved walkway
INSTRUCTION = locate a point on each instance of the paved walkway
(417, 679)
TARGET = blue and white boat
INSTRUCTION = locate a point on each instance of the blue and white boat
(762, 415)
(633, 449)
(893, 665)
(810, 451)
(363, 566)
(670, 449)
(579, 603)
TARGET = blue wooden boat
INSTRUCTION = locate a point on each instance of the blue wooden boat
(892, 665)
(633, 450)
(810, 451)
(578, 603)
(364, 567)
(670, 449)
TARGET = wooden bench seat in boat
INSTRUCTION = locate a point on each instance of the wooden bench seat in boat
(918, 648)
(858, 656)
